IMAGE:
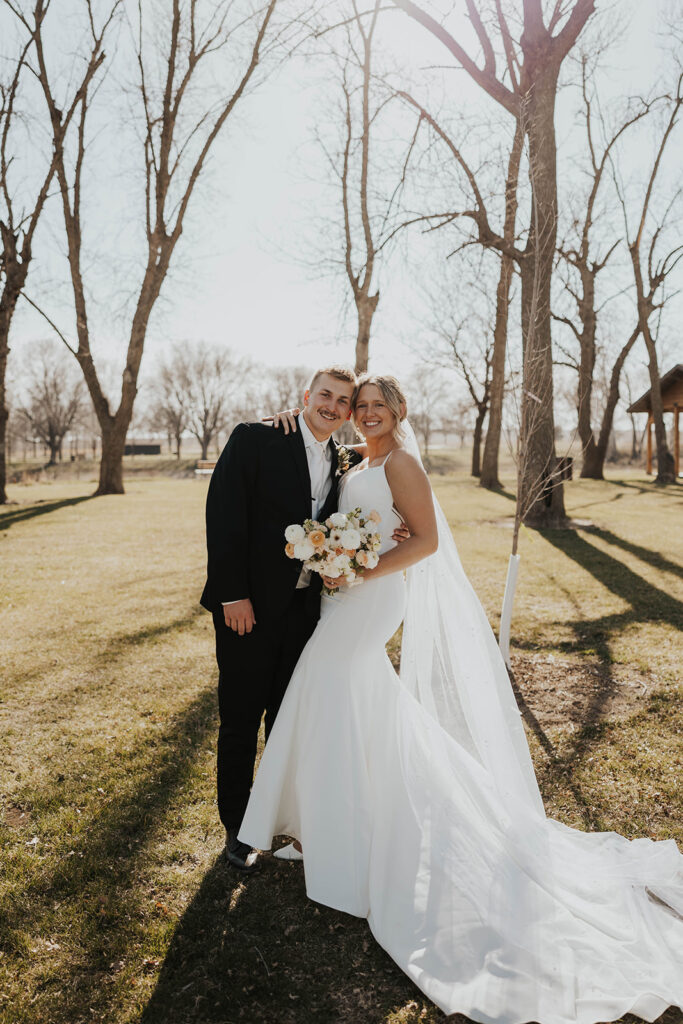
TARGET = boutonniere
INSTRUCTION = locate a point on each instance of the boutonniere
(343, 460)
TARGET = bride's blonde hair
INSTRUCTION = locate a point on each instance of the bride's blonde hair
(392, 396)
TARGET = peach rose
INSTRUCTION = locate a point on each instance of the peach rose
(317, 538)
(350, 552)
(289, 550)
(362, 558)
(375, 517)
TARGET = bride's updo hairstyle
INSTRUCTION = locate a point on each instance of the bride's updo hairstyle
(392, 396)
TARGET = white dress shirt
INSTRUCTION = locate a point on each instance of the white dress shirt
(319, 459)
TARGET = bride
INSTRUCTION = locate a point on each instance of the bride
(415, 799)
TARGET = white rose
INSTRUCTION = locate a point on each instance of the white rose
(373, 559)
(338, 519)
(342, 562)
(331, 570)
(295, 533)
(351, 577)
(303, 550)
(350, 539)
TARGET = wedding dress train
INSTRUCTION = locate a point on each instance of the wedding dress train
(417, 807)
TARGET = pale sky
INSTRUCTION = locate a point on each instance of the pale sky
(253, 295)
(235, 280)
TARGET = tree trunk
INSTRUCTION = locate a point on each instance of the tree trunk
(365, 306)
(205, 442)
(541, 493)
(592, 463)
(489, 470)
(178, 442)
(111, 461)
(635, 447)
(595, 453)
(476, 440)
(15, 276)
(665, 460)
(4, 416)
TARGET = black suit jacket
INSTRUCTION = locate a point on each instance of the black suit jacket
(260, 485)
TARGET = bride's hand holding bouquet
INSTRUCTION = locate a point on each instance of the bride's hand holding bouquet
(341, 550)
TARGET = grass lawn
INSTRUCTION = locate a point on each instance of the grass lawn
(113, 904)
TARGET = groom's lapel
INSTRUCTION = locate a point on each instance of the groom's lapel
(330, 504)
(298, 451)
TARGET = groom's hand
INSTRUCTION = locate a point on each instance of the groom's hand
(286, 419)
(401, 533)
(239, 616)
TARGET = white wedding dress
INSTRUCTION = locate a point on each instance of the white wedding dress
(417, 807)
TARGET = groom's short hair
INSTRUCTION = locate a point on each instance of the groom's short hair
(338, 372)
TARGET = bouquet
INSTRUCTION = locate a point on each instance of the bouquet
(344, 545)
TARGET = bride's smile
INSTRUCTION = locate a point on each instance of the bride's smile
(376, 421)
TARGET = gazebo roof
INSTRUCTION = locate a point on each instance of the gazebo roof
(672, 387)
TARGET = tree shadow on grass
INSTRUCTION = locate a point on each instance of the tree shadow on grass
(642, 487)
(8, 519)
(558, 769)
(112, 649)
(93, 893)
(115, 646)
(653, 558)
(256, 949)
(648, 603)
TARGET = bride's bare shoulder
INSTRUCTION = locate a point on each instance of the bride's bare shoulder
(401, 465)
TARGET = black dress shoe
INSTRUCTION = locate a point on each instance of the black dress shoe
(238, 854)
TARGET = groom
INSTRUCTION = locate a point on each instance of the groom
(264, 607)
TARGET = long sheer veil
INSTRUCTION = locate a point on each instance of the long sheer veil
(451, 663)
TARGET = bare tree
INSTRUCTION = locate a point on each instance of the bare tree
(489, 471)
(208, 383)
(284, 387)
(54, 399)
(23, 198)
(427, 396)
(169, 410)
(464, 342)
(527, 89)
(495, 362)
(650, 279)
(369, 211)
(180, 120)
(585, 265)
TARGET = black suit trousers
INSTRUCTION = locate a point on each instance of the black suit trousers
(254, 671)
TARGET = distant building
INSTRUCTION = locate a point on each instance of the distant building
(140, 448)
(671, 386)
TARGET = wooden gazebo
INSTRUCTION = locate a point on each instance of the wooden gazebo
(672, 400)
